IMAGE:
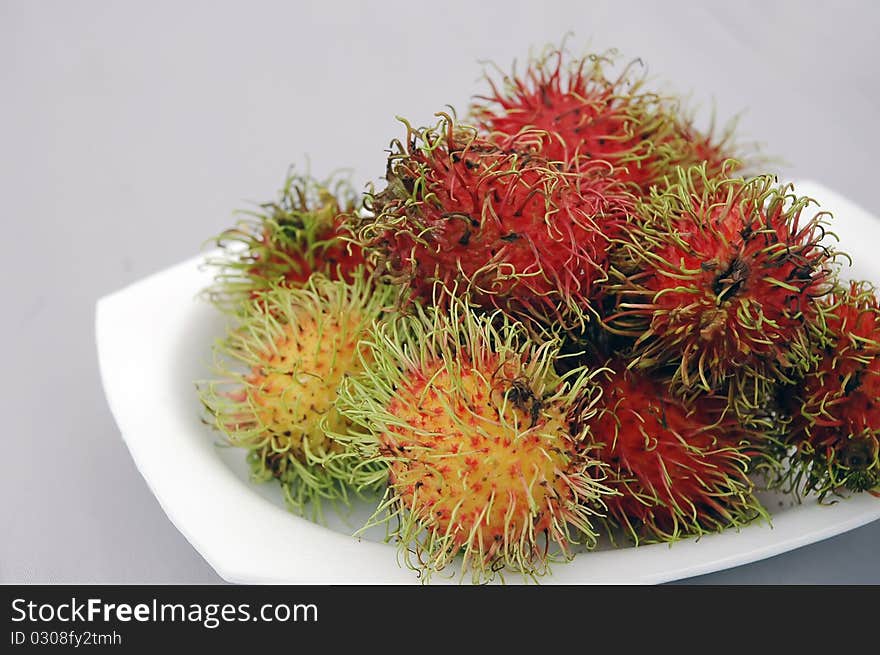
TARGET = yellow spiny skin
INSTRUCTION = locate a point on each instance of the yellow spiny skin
(470, 417)
(295, 347)
(471, 474)
(295, 389)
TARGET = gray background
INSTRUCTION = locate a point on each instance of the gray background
(129, 131)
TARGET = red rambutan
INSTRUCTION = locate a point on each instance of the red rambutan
(836, 428)
(680, 469)
(287, 240)
(503, 225)
(581, 115)
(719, 279)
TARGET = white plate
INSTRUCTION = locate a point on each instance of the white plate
(154, 340)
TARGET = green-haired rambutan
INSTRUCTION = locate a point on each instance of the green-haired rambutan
(279, 374)
(503, 226)
(285, 241)
(836, 426)
(680, 468)
(469, 416)
(581, 114)
(719, 279)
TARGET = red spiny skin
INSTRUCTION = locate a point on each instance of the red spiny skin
(336, 256)
(696, 148)
(739, 265)
(304, 231)
(506, 224)
(725, 282)
(839, 417)
(679, 469)
(295, 262)
(583, 117)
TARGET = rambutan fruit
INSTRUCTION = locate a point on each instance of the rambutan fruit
(505, 228)
(719, 279)
(287, 240)
(836, 429)
(469, 415)
(716, 150)
(581, 114)
(680, 469)
(279, 374)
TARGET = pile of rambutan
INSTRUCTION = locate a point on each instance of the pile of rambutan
(570, 318)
